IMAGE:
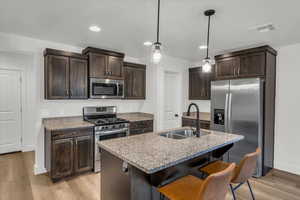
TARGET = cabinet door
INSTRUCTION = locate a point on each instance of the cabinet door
(128, 73)
(57, 77)
(62, 158)
(83, 153)
(135, 83)
(78, 79)
(227, 67)
(199, 84)
(252, 65)
(115, 67)
(97, 65)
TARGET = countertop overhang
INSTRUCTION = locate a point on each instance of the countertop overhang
(152, 153)
(73, 122)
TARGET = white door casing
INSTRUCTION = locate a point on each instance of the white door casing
(171, 100)
(10, 111)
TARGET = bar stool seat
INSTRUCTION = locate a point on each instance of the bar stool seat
(216, 166)
(192, 188)
(183, 189)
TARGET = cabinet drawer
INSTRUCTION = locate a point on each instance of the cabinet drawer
(61, 134)
(141, 127)
(193, 122)
(141, 124)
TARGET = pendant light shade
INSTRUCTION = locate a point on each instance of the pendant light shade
(156, 51)
(156, 54)
(207, 65)
(207, 62)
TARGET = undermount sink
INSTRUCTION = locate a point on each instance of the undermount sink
(181, 134)
(178, 134)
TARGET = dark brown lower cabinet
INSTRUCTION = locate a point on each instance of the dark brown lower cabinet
(193, 122)
(68, 152)
(140, 127)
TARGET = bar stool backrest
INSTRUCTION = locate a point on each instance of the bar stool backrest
(215, 186)
(246, 168)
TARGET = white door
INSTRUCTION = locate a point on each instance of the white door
(10, 111)
(171, 100)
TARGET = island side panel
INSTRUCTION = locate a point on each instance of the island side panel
(114, 183)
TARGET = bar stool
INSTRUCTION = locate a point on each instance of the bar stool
(192, 188)
(242, 173)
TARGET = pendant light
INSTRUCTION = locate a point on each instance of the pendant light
(207, 62)
(156, 54)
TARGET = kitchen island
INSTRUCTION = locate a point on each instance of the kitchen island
(133, 167)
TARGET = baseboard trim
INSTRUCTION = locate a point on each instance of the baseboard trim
(39, 170)
(288, 167)
(27, 148)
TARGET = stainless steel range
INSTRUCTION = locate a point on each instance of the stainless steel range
(107, 126)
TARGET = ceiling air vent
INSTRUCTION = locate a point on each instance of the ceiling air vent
(264, 28)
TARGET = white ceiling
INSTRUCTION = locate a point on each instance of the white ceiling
(126, 24)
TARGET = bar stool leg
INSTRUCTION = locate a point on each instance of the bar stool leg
(232, 191)
(250, 190)
(161, 197)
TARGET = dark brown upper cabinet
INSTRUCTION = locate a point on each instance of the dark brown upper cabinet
(65, 75)
(199, 84)
(104, 63)
(252, 64)
(135, 81)
(243, 64)
(227, 68)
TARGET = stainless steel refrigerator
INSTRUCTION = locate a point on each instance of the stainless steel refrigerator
(237, 107)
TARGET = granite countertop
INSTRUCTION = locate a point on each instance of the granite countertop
(136, 116)
(152, 153)
(204, 116)
(61, 123)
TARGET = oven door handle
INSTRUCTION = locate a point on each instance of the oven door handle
(118, 89)
(102, 133)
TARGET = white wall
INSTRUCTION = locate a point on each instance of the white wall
(287, 134)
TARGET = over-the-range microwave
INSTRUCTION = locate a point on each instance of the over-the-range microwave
(106, 88)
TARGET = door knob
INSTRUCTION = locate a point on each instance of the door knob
(176, 115)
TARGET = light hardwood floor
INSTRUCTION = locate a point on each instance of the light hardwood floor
(17, 182)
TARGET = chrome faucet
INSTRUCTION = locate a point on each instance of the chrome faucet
(198, 120)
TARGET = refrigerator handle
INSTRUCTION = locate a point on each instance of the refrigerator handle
(229, 112)
(226, 112)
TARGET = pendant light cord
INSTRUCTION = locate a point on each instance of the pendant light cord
(208, 32)
(158, 18)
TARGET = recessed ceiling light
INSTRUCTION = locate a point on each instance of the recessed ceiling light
(147, 43)
(95, 28)
(203, 47)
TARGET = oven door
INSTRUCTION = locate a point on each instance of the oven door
(106, 88)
